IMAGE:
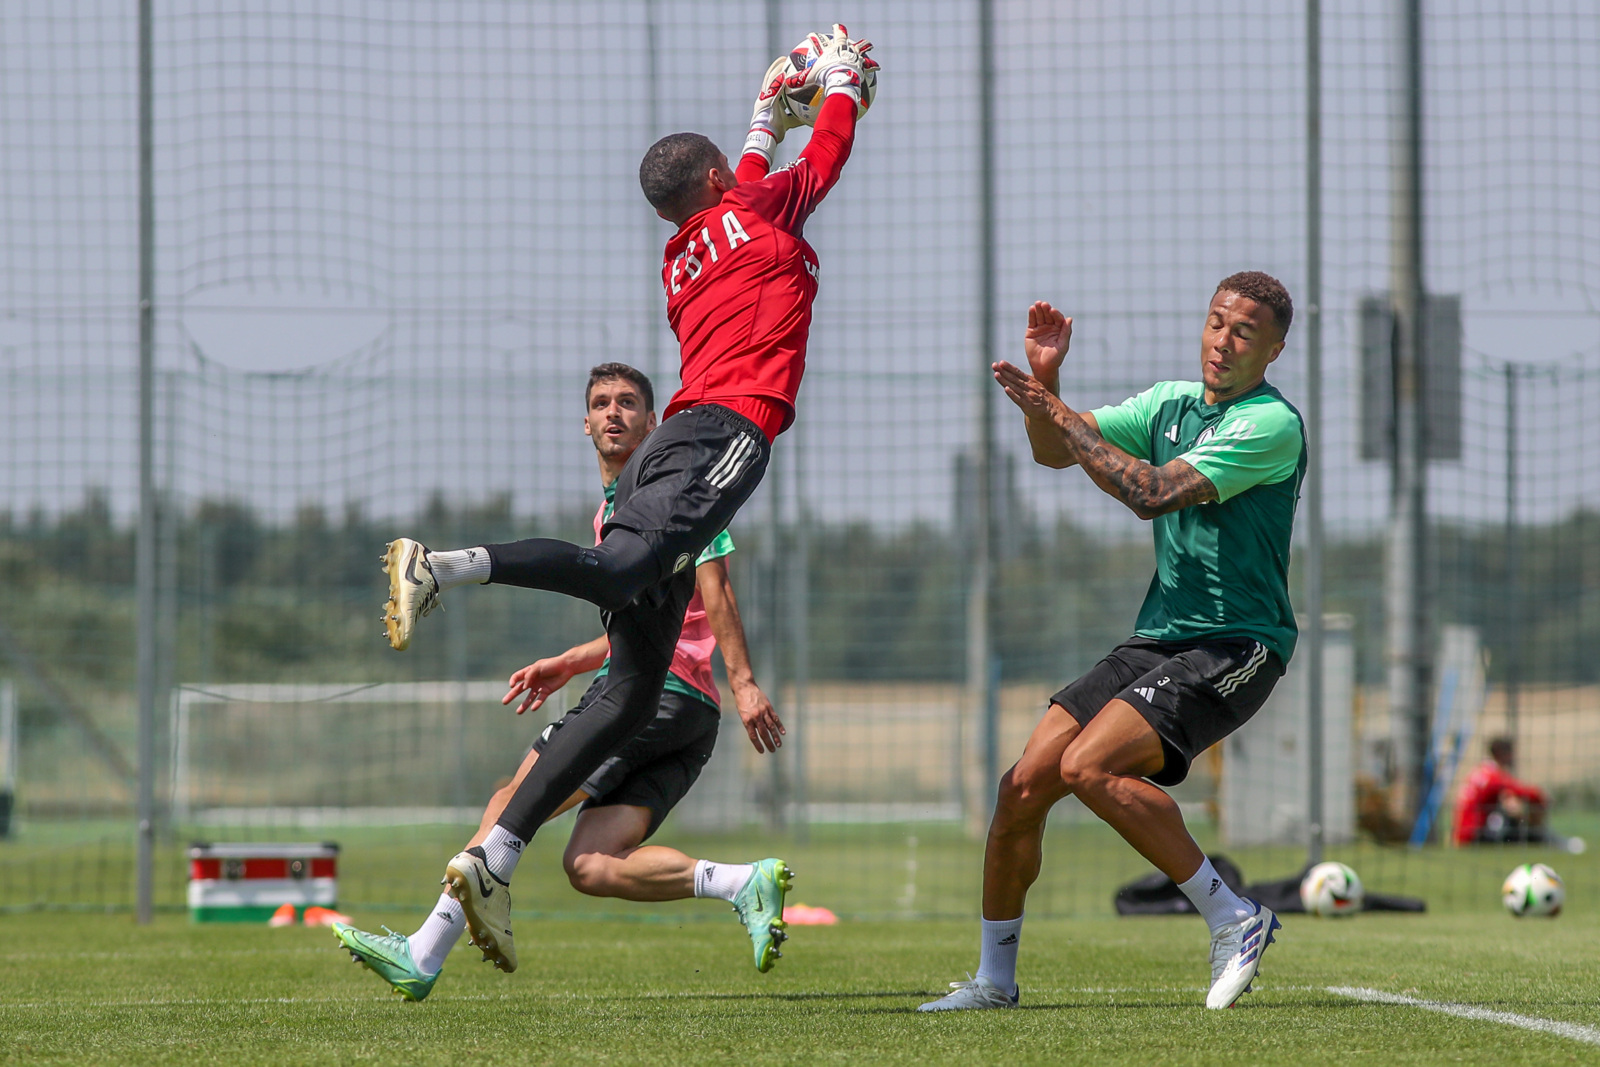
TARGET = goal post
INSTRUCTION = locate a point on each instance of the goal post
(302, 756)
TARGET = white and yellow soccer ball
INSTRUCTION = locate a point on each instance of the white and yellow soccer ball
(804, 104)
(1332, 891)
(1533, 890)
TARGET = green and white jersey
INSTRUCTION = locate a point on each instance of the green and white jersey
(1222, 568)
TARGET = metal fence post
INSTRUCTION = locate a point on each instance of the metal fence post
(1316, 817)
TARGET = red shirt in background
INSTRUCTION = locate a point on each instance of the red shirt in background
(740, 280)
(1481, 794)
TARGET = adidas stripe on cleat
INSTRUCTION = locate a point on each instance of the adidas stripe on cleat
(1236, 952)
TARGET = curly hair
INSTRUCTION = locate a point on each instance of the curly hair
(1263, 289)
(606, 372)
(673, 169)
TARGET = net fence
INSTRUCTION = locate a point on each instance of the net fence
(392, 238)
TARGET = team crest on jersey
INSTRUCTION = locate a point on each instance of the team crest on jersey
(681, 562)
(1205, 435)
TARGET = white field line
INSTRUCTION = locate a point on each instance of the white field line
(1587, 1034)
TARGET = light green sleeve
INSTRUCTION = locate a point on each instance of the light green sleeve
(721, 545)
(1255, 444)
(1127, 425)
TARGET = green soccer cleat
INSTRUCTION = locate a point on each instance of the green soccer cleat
(389, 957)
(760, 908)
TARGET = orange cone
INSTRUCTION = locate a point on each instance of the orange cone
(805, 915)
(284, 916)
(316, 916)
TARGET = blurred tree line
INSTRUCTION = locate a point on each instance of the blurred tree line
(253, 600)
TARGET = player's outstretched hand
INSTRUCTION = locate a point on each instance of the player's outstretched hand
(1026, 391)
(1045, 343)
(841, 63)
(769, 116)
(760, 718)
(538, 680)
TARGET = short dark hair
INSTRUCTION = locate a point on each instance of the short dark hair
(1500, 749)
(1263, 289)
(673, 169)
(605, 372)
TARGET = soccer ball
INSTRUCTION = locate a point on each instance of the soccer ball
(804, 104)
(1331, 890)
(1533, 889)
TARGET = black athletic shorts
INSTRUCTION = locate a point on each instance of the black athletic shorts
(656, 768)
(1192, 693)
(683, 486)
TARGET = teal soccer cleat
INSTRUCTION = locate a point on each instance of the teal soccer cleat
(389, 957)
(760, 908)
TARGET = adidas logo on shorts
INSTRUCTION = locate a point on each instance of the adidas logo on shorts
(1147, 692)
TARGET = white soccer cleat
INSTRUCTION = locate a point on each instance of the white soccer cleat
(486, 902)
(975, 994)
(1236, 952)
(413, 592)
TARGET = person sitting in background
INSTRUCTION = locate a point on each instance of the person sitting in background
(1496, 807)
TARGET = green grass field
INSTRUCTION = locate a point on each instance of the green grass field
(97, 989)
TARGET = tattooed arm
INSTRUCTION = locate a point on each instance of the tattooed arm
(1148, 491)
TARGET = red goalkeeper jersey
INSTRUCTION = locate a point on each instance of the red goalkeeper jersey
(740, 280)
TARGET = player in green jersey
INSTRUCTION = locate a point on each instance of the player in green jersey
(1216, 465)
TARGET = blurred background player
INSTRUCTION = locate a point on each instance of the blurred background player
(626, 799)
(1217, 464)
(1495, 807)
(740, 280)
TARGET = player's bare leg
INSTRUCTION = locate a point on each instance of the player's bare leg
(606, 857)
(1027, 792)
(1105, 767)
(1011, 860)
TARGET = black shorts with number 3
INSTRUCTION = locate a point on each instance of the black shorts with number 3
(1192, 693)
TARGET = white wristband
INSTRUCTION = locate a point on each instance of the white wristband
(852, 90)
(761, 141)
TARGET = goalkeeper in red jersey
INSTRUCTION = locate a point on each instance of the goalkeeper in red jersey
(739, 280)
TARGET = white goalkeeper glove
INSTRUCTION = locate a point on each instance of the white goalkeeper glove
(841, 65)
(770, 120)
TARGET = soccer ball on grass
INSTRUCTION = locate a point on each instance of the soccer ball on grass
(1533, 890)
(1331, 890)
(804, 104)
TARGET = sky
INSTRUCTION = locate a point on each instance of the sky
(392, 237)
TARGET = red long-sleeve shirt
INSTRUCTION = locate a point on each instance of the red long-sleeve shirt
(740, 279)
(1481, 793)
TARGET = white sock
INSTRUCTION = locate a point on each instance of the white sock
(721, 880)
(464, 566)
(438, 935)
(501, 851)
(1215, 902)
(997, 956)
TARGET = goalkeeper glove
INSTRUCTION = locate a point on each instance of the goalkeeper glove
(840, 67)
(770, 120)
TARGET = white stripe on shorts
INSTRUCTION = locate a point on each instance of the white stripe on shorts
(733, 462)
(1235, 679)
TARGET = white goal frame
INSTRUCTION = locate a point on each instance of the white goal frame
(186, 698)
